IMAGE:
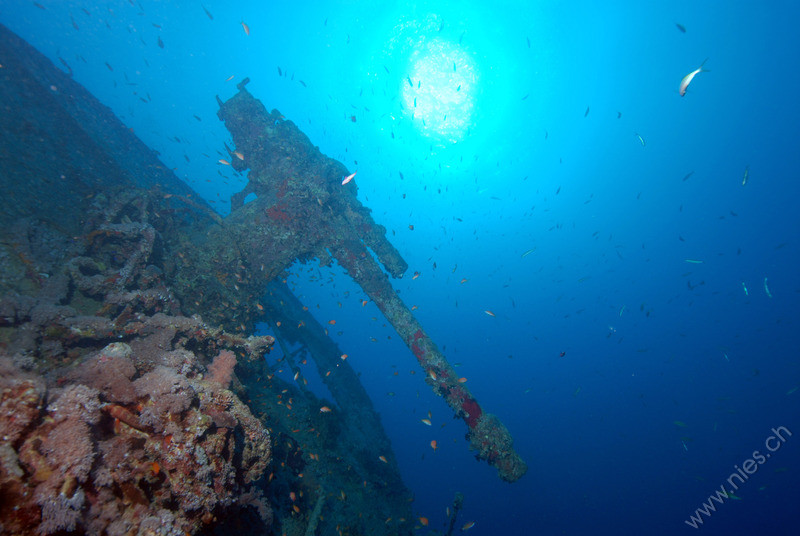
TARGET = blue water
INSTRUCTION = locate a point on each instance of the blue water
(672, 374)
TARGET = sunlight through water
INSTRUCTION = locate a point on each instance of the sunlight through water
(438, 93)
(438, 80)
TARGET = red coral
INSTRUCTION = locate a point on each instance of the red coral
(278, 212)
(418, 351)
(474, 411)
(221, 370)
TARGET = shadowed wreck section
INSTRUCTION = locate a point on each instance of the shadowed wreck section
(302, 203)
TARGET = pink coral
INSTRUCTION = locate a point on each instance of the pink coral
(221, 370)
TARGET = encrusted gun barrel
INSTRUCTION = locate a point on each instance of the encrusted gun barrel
(302, 205)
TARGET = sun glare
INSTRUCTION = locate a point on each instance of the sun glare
(438, 93)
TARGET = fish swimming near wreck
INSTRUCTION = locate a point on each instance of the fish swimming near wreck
(689, 77)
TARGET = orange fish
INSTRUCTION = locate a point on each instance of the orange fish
(239, 155)
(332, 322)
(324, 409)
(292, 496)
(464, 280)
(416, 275)
(423, 521)
(383, 459)
(296, 508)
(349, 178)
(432, 375)
(468, 525)
(155, 467)
(246, 28)
(410, 227)
(426, 421)
(462, 380)
(343, 357)
(434, 445)
(224, 162)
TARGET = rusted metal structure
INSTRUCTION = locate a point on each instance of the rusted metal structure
(303, 210)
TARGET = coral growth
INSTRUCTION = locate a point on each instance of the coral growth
(86, 460)
(107, 425)
(221, 369)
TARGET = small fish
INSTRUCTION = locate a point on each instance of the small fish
(434, 445)
(766, 288)
(432, 375)
(238, 155)
(641, 140)
(744, 287)
(746, 175)
(426, 421)
(224, 162)
(349, 178)
(332, 322)
(210, 16)
(246, 28)
(586, 112)
(693, 261)
(423, 521)
(490, 313)
(680, 27)
(686, 178)
(528, 253)
(383, 459)
(462, 380)
(292, 496)
(325, 409)
(229, 78)
(343, 357)
(160, 42)
(688, 78)
(416, 275)
(468, 525)
(155, 467)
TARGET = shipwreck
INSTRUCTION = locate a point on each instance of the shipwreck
(135, 397)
